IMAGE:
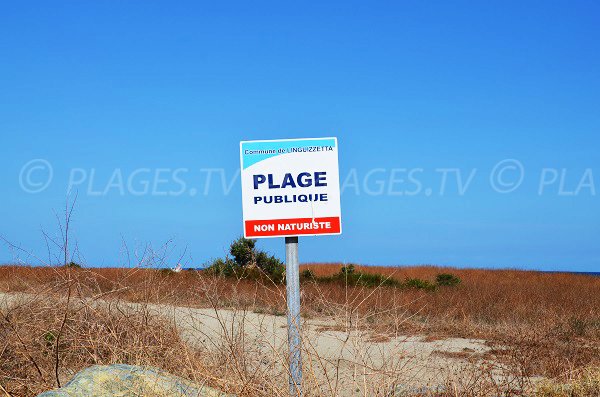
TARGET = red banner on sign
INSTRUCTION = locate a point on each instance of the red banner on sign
(292, 227)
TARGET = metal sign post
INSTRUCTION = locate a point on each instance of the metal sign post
(291, 188)
(292, 276)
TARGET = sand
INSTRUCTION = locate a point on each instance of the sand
(336, 360)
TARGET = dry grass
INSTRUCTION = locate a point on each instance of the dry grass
(40, 352)
(538, 323)
(581, 383)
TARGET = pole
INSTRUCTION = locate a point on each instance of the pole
(292, 277)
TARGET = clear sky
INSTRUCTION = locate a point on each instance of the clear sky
(503, 95)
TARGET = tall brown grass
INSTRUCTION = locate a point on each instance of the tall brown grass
(539, 324)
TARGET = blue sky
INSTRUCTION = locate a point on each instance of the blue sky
(403, 85)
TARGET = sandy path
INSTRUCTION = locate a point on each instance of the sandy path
(338, 362)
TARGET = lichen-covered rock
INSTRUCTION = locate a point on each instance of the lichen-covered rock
(121, 380)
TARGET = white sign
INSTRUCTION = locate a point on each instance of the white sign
(290, 187)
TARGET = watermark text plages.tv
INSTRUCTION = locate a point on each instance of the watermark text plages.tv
(503, 177)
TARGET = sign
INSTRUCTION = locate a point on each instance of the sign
(290, 187)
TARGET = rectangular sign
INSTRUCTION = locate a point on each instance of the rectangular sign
(290, 187)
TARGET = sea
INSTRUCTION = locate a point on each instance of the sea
(595, 274)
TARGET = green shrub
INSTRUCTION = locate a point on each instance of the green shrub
(307, 274)
(350, 276)
(248, 262)
(222, 267)
(447, 279)
(49, 338)
(243, 251)
(271, 266)
(417, 283)
(347, 270)
(374, 280)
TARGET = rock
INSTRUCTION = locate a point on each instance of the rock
(122, 380)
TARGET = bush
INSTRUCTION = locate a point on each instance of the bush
(375, 280)
(347, 270)
(248, 262)
(307, 274)
(446, 279)
(271, 266)
(243, 251)
(222, 267)
(417, 283)
(350, 276)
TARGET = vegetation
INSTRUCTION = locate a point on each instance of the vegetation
(584, 383)
(538, 325)
(349, 275)
(248, 262)
(447, 279)
(165, 271)
(54, 321)
(45, 341)
(307, 275)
